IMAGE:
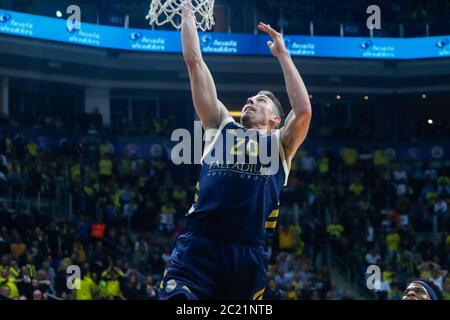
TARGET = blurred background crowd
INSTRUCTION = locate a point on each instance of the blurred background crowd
(360, 208)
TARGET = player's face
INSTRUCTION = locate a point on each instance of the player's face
(259, 112)
(416, 291)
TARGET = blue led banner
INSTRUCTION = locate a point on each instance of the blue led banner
(39, 27)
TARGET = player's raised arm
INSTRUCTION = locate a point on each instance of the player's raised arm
(208, 107)
(297, 123)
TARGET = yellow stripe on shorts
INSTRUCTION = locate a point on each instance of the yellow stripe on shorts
(258, 295)
(274, 213)
(270, 224)
(161, 285)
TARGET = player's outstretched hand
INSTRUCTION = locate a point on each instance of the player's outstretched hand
(276, 46)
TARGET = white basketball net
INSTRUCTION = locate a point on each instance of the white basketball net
(170, 11)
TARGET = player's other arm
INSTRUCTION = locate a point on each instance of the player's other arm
(208, 107)
(297, 122)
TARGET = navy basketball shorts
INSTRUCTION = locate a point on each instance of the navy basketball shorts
(207, 269)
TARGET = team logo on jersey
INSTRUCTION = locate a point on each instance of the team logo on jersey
(171, 285)
(245, 170)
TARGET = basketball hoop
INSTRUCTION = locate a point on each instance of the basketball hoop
(170, 11)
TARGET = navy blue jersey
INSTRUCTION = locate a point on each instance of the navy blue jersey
(238, 190)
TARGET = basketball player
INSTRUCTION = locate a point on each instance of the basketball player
(222, 255)
(422, 290)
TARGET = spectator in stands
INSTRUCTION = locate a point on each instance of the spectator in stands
(373, 257)
(111, 278)
(348, 295)
(9, 279)
(440, 209)
(151, 293)
(167, 255)
(141, 254)
(438, 276)
(132, 289)
(446, 292)
(335, 231)
(392, 243)
(37, 295)
(97, 257)
(18, 247)
(356, 187)
(5, 293)
(307, 162)
(334, 293)
(105, 168)
(286, 238)
(395, 293)
(87, 286)
(4, 240)
(273, 292)
(157, 264)
(350, 156)
(382, 288)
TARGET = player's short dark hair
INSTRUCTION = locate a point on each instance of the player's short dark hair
(276, 102)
